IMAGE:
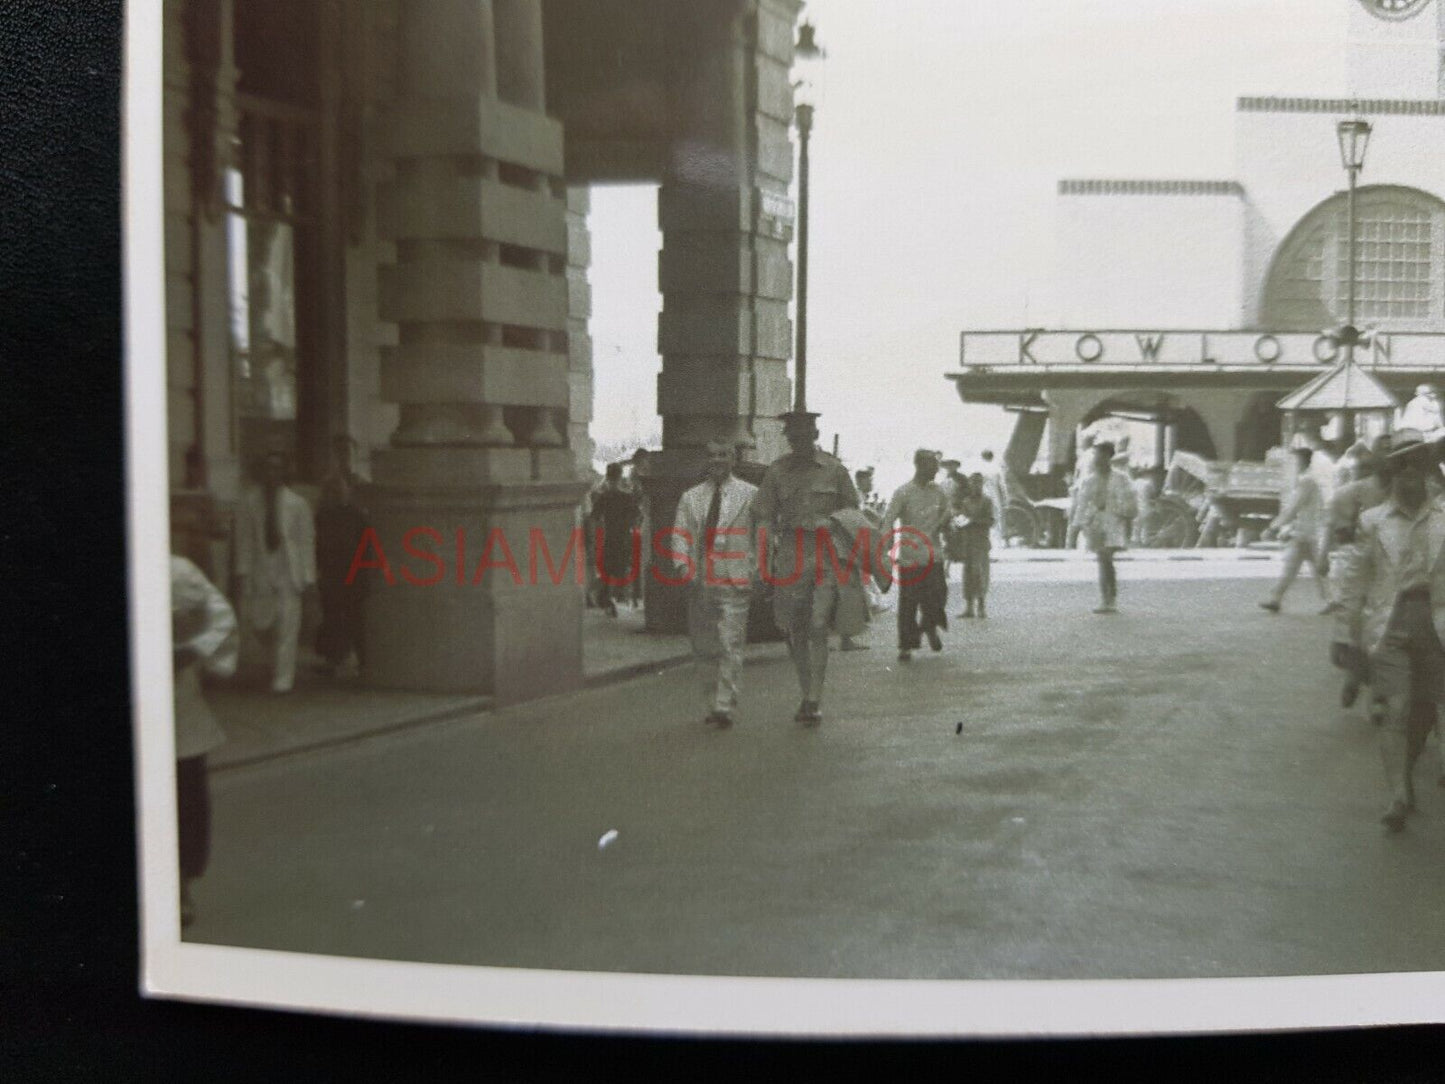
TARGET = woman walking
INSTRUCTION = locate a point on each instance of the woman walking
(972, 530)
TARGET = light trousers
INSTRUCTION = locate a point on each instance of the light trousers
(718, 622)
(1302, 549)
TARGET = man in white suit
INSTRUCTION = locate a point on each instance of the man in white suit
(715, 526)
(1392, 612)
(275, 564)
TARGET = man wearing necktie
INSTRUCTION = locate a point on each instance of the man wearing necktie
(714, 526)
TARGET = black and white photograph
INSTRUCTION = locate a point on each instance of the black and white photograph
(754, 517)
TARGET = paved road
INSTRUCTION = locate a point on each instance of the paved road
(1172, 792)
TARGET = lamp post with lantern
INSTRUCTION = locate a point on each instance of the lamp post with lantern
(806, 92)
(1354, 138)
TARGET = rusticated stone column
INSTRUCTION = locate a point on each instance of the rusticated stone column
(579, 312)
(480, 371)
(724, 270)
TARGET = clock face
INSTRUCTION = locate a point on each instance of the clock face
(1393, 9)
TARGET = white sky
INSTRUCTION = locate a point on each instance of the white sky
(942, 131)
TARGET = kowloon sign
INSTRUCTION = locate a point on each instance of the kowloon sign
(1135, 349)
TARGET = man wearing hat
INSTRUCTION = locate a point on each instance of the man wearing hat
(1392, 612)
(714, 523)
(799, 493)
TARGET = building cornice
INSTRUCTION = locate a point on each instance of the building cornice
(1149, 188)
(1421, 107)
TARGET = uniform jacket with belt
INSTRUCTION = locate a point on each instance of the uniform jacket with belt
(735, 514)
(1370, 577)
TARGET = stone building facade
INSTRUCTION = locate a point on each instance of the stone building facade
(376, 227)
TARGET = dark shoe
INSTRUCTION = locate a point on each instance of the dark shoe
(935, 642)
(982, 610)
(612, 609)
(1394, 818)
(905, 655)
(720, 719)
(1106, 608)
(1330, 608)
(967, 613)
(1272, 607)
(808, 712)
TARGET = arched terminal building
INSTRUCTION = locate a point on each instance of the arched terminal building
(1199, 304)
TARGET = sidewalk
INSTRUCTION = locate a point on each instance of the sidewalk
(1259, 551)
(324, 712)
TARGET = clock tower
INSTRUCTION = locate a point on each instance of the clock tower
(1397, 48)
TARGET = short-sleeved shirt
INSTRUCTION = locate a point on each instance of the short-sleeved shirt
(801, 492)
(924, 506)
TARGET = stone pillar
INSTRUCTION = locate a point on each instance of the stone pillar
(579, 342)
(198, 126)
(478, 470)
(724, 270)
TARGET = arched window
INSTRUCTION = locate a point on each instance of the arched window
(1399, 264)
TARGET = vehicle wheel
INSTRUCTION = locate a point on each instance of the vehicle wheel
(1020, 526)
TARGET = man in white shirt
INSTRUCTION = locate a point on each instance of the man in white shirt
(1102, 509)
(714, 524)
(921, 509)
(1424, 412)
(1303, 513)
(275, 564)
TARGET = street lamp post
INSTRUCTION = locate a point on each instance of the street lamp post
(1354, 137)
(807, 53)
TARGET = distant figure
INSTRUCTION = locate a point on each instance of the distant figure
(996, 489)
(340, 522)
(718, 589)
(1342, 526)
(615, 512)
(1082, 468)
(1145, 493)
(1424, 412)
(1303, 513)
(951, 481)
(1217, 524)
(1102, 509)
(275, 564)
(203, 637)
(921, 510)
(973, 522)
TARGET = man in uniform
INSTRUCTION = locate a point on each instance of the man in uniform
(798, 494)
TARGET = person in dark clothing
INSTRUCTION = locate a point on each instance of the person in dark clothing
(615, 511)
(340, 522)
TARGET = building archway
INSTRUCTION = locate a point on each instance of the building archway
(1261, 426)
(1189, 431)
(1399, 264)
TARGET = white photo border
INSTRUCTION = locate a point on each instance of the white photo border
(583, 1001)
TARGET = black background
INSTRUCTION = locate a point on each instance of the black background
(68, 941)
